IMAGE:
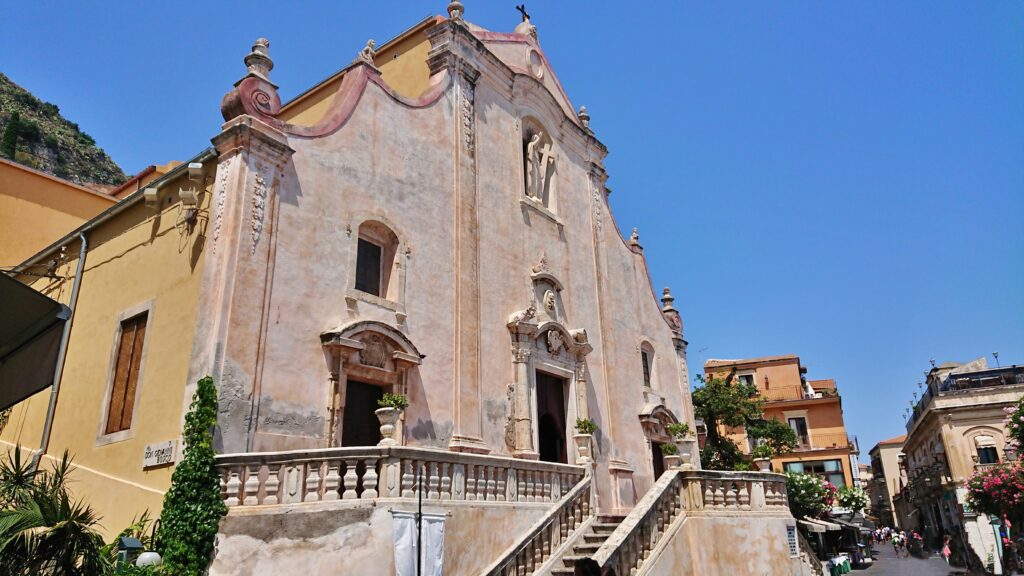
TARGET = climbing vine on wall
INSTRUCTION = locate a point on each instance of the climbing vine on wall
(193, 506)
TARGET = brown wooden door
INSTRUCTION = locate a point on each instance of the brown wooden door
(658, 457)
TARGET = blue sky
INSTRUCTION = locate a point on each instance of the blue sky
(840, 181)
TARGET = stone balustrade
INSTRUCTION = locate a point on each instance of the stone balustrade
(546, 535)
(366, 473)
(693, 492)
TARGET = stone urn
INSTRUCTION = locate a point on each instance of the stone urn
(672, 461)
(763, 464)
(583, 444)
(686, 447)
(388, 420)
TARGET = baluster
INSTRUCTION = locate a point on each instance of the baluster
(491, 484)
(273, 484)
(408, 478)
(331, 481)
(529, 485)
(446, 482)
(521, 475)
(744, 495)
(500, 490)
(511, 494)
(370, 477)
(232, 486)
(252, 485)
(312, 482)
(471, 481)
(730, 494)
(351, 480)
(459, 482)
(434, 483)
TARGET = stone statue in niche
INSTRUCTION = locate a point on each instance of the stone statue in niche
(549, 301)
(540, 163)
(375, 352)
(555, 341)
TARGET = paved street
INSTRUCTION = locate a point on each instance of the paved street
(887, 564)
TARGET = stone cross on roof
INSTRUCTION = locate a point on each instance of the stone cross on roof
(522, 10)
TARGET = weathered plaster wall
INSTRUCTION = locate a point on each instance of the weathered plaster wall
(359, 539)
(740, 544)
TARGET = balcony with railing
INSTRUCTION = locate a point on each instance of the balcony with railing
(822, 441)
(965, 383)
(795, 393)
(366, 473)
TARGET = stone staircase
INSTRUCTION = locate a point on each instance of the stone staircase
(588, 545)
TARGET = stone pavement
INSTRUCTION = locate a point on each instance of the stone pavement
(887, 564)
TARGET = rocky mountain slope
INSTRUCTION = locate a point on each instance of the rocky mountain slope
(33, 133)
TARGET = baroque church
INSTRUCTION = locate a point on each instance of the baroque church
(432, 343)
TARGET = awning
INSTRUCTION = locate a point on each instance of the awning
(852, 526)
(812, 527)
(30, 335)
(826, 525)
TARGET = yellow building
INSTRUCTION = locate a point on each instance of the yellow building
(127, 361)
(813, 408)
(37, 208)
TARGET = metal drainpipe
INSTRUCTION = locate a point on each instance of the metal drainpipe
(58, 372)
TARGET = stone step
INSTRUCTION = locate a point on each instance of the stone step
(591, 538)
(562, 571)
(571, 559)
(604, 527)
(587, 549)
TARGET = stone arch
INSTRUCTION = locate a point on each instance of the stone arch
(394, 251)
(370, 353)
(655, 419)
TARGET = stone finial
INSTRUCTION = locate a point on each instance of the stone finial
(634, 239)
(584, 117)
(368, 52)
(675, 321)
(258, 61)
(667, 299)
(455, 10)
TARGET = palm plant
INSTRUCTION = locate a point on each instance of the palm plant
(43, 530)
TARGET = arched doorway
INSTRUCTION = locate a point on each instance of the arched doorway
(366, 359)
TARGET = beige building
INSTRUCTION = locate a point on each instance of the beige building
(433, 221)
(955, 428)
(888, 478)
(813, 408)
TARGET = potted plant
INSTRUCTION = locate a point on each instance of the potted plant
(670, 454)
(684, 441)
(585, 428)
(391, 407)
(763, 457)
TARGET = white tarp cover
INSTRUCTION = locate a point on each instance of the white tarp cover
(405, 544)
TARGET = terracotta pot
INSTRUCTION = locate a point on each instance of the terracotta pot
(583, 443)
(388, 419)
(763, 464)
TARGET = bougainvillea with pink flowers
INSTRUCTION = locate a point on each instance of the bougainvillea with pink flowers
(1015, 424)
(998, 490)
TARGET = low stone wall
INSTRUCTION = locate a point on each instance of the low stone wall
(743, 543)
(357, 537)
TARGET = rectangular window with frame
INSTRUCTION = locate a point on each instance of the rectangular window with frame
(831, 470)
(368, 272)
(126, 374)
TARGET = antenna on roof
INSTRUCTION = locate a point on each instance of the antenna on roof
(996, 356)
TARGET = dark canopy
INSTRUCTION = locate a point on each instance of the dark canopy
(31, 326)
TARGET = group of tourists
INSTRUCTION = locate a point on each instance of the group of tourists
(901, 541)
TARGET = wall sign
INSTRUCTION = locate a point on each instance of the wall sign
(159, 454)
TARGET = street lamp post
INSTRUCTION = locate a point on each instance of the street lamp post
(997, 558)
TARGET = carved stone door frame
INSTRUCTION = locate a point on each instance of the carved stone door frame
(370, 352)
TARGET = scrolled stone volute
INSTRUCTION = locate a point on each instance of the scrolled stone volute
(254, 94)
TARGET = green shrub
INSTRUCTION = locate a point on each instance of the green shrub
(762, 451)
(391, 400)
(669, 449)
(193, 506)
(585, 426)
(678, 430)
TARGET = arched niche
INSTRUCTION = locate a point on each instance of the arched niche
(368, 358)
